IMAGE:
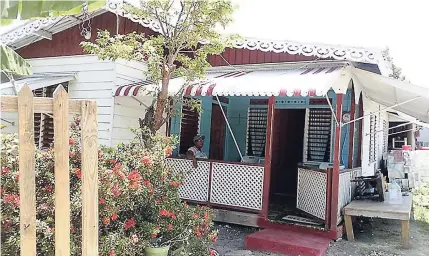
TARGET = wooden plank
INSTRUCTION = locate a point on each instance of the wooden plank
(89, 179)
(62, 176)
(349, 227)
(384, 209)
(27, 175)
(235, 217)
(405, 237)
(41, 105)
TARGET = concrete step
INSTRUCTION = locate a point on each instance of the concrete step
(287, 242)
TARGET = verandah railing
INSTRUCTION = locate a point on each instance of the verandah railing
(60, 106)
(228, 185)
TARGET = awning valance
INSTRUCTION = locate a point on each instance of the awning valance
(314, 81)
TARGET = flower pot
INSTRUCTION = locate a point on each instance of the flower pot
(161, 251)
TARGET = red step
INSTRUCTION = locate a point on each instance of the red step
(287, 242)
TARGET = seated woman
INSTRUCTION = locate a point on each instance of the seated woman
(196, 152)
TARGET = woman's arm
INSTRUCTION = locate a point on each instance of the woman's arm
(191, 156)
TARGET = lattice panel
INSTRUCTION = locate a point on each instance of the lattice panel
(311, 194)
(196, 183)
(346, 190)
(237, 185)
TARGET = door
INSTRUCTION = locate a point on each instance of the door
(217, 136)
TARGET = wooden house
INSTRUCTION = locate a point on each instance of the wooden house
(287, 124)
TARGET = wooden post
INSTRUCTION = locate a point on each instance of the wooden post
(360, 133)
(27, 175)
(62, 176)
(268, 148)
(336, 165)
(89, 179)
(352, 130)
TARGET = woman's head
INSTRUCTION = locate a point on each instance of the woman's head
(199, 141)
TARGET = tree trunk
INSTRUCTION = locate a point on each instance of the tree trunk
(162, 99)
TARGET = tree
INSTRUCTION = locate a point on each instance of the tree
(11, 62)
(396, 71)
(176, 51)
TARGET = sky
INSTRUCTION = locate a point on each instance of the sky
(396, 24)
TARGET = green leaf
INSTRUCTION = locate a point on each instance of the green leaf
(13, 63)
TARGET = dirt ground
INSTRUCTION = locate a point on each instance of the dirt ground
(373, 237)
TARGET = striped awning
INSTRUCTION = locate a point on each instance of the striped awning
(279, 82)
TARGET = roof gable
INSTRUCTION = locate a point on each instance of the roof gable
(33, 31)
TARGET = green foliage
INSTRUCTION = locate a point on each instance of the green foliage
(177, 50)
(12, 63)
(396, 71)
(421, 203)
(139, 202)
(22, 10)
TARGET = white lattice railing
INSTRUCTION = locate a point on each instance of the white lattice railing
(196, 183)
(231, 185)
(311, 192)
(346, 189)
(237, 185)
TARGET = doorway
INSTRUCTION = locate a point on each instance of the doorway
(287, 154)
(217, 135)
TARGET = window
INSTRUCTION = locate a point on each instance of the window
(317, 137)
(373, 141)
(256, 131)
(189, 126)
(44, 123)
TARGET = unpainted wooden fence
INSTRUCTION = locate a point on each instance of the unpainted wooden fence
(60, 106)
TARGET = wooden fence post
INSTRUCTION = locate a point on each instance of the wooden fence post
(27, 175)
(62, 175)
(89, 179)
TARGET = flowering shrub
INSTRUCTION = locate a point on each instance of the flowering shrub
(139, 204)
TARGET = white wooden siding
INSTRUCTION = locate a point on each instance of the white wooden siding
(127, 112)
(95, 80)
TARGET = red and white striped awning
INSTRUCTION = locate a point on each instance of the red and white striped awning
(279, 82)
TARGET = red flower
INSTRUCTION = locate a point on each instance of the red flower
(106, 220)
(164, 212)
(117, 166)
(129, 224)
(48, 188)
(147, 183)
(115, 190)
(174, 183)
(11, 199)
(170, 227)
(112, 253)
(5, 170)
(146, 160)
(198, 234)
(73, 229)
(102, 200)
(78, 172)
(206, 216)
(172, 215)
(73, 125)
(71, 154)
(17, 177)
(114, 216)
(212, 252)
(168, 151)
(154, 235)
(72, 141)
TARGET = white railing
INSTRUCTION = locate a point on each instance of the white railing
(228, 185)
(346, 189)
(311, 192)
(237, 185)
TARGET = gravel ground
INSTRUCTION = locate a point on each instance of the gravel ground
(373, 237)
